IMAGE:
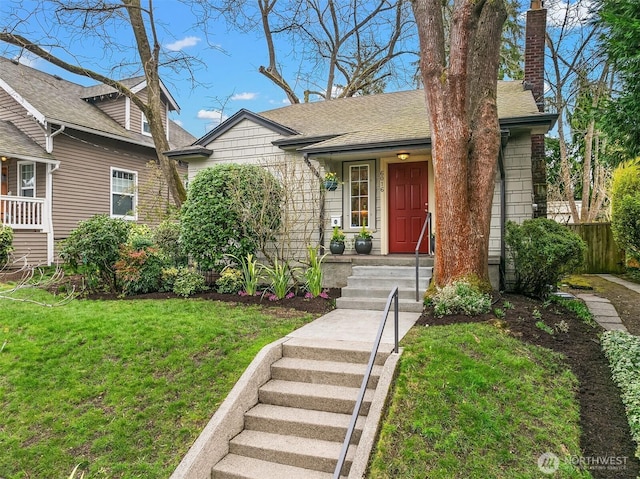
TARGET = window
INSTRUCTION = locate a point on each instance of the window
(146, 128)
(123, 194)
(359, 200)
(27, 179)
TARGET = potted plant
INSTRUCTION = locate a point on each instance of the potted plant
(336, 246)
(364, 241)
(330, 181)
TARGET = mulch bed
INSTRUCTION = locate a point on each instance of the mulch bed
(605, 430)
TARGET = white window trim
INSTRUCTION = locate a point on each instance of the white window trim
(35, 177)
(142, 123)
(347, 195)
(133, 217)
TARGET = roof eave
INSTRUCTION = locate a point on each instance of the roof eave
(187, 154)
(415, 143)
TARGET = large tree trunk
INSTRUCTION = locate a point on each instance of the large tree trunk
(461, 96)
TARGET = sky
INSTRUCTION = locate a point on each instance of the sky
(227, 79)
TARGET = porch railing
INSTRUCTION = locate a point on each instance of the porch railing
(21, 212)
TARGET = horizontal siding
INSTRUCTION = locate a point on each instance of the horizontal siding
(29, 245)
(116, 108)
(82, 184)
(11, 111)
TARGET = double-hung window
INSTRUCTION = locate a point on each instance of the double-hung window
(27, 179)
(146, 127)
(123, 193)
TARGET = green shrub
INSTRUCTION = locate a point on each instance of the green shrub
(168, 277)
(139, 271)
(460, 298)
(230, 281)
(167, 238)
(230, 210)
(6, 244)
(623, 352)
(188, 282)
(94, 247)
(542, 252)
(625, 207)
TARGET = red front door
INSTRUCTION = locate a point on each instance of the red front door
(408, 199)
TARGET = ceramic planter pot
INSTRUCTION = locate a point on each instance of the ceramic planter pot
(363, 246)
(336, 247)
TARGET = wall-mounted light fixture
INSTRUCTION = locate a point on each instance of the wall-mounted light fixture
(4, 158)
(403, 156)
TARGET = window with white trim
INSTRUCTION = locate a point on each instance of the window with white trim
(124, 196)
(27, 179)
(359, 195)
(146, 127)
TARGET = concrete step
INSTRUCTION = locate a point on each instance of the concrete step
(339, 399)
(238, 467)
(328, 350)
(408, 260)
(295, 451)
(307, 423)
(378, 304)
(323, 372)
(391, 271)
(380, 282)
(403, 293)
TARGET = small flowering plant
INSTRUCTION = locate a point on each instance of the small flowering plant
(331, 176)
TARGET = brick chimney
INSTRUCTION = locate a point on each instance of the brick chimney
(534, 79)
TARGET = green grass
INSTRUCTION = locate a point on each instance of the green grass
(121, 387)
(471, 401)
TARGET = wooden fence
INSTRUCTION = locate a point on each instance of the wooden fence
(603, 254)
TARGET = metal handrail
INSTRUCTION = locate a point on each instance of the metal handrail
(367, 375)
(427, 222)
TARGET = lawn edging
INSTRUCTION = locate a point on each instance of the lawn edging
(228, 421)
(623, 352)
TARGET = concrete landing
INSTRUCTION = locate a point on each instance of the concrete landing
(359, 325)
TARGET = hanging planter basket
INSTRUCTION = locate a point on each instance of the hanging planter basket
(330, 185)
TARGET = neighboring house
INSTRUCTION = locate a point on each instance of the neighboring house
(560, 211)
(69, 152)
(380, 148)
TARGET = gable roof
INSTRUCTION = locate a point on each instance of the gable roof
(16, 144)
(374, 121)
(55, 100)
(135, 84)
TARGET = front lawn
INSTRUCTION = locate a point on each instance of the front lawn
(121, 387)
(471, 401)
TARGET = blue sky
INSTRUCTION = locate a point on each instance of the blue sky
(226, 81)
(228, 77)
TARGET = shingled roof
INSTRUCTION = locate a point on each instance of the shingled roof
(16, 144)
(374, 121)
(62, 102)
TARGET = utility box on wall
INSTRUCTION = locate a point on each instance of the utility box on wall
(336, 221)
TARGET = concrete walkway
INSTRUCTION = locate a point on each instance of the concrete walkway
(602, 309)
(355, 325)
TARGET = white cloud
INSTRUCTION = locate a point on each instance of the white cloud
(178, 122)
(216, 116)
(28, 59)
(572, 14)
(244, 96)
(182, 44)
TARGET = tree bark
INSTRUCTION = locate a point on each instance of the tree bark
(461, 91)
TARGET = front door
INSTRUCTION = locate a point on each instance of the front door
(408, 202)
